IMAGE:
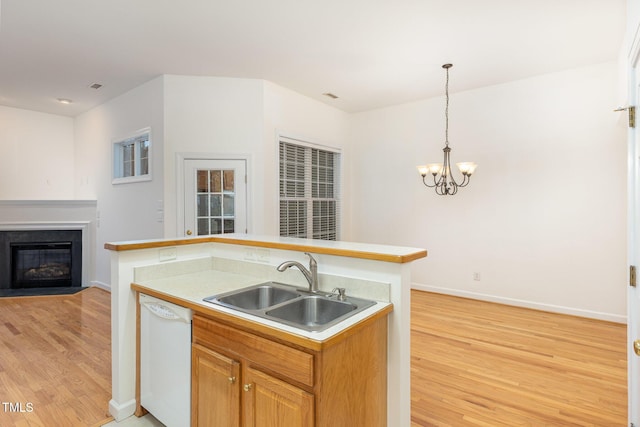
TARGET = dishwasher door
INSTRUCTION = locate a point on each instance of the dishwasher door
(165, 361)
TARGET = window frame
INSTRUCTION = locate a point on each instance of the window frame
(309, 217)
(118, 157)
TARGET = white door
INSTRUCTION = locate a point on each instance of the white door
(215, 197)
(633, 219)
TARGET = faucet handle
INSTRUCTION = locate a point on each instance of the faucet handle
(342, 293)
(312, 260)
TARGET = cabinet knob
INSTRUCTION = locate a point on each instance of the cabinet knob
(189, 233)
(232, 380)
(247, 387)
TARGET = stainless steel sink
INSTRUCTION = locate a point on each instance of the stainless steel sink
(256, 297)
(312, 311)
(288, 305)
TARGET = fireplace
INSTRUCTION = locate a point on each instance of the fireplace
(32, 259)
(37, 265)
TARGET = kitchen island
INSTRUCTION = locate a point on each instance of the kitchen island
(189, 269)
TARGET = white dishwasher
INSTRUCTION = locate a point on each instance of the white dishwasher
(165, 361)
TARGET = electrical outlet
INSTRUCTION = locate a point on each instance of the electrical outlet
(263, 255)
(257, 255)
(167, 254)
(476, 277)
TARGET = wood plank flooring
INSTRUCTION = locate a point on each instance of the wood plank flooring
(55, 359)
(473, 364)
(482, 364)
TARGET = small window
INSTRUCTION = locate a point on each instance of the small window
(131, 158)
(309, 191)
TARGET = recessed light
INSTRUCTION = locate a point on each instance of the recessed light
(64, 101)
(330, 95)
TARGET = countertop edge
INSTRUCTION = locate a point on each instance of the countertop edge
(408, 255)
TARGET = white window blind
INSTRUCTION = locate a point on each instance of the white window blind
(309, 191)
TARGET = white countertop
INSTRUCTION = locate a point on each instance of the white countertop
(194, 287)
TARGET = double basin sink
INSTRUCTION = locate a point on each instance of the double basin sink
(291, 306)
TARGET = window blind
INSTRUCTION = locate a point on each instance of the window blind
(309, 191)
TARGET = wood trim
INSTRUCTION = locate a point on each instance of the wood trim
(351, 253)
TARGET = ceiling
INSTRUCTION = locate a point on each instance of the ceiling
(370, 53)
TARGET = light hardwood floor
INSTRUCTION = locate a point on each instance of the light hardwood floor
(55, 359)
(482, 364)
(473, 364)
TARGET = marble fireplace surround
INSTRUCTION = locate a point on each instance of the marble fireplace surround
(19, 215)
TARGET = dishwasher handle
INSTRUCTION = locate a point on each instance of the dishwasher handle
(161, 310)
(165, 310)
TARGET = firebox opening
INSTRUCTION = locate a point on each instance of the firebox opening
(39, 262)
(37, 265)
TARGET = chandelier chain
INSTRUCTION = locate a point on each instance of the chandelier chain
(446, 111)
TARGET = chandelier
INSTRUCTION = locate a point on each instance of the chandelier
(443, 180)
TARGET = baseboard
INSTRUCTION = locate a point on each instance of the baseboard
(523, 303)
(101, 285)
(122, 411)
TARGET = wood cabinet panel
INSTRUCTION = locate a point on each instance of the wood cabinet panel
(270, 402)
(288, 362)
(215, 389)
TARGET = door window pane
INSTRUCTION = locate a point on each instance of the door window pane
(229, 205)
(216, 205)
(202, 205)
(216, 181)
(215, 201)
(229, 183)
(216, 226)
(203, 226)
(202, 177)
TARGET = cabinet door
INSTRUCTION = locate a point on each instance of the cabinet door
(269, 402)
(215, 389)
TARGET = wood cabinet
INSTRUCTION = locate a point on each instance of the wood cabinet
(245, 377)
(270, 402)
(215, 396)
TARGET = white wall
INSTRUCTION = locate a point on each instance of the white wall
(36, 155)
(544, 218)
(125, 211)
(229, 116)
(216, 116)
(291, 114)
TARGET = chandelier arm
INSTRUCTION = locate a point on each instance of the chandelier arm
(454, 187)
(424, 181)
(440, 185)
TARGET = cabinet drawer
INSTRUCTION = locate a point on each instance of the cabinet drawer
(286, 361)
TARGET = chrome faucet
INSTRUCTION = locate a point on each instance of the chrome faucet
(310, 274)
